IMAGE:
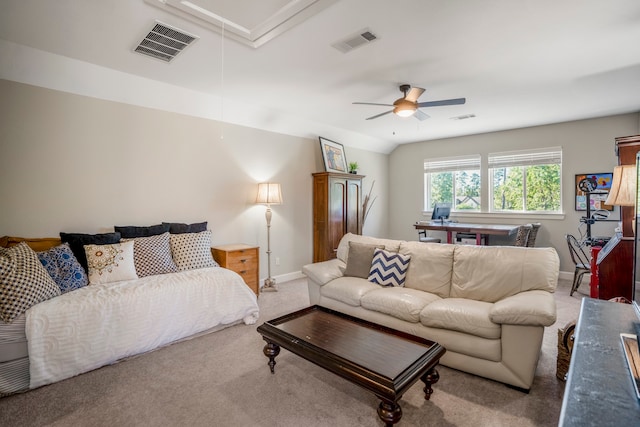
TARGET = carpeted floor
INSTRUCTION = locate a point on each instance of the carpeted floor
(222, 379)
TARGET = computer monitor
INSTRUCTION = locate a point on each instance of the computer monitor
(441, 211)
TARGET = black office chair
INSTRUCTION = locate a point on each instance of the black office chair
(422, 236)
(580, 259)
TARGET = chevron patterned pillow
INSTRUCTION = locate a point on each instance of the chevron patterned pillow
(388, 268)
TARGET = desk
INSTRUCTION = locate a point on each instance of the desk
(478, 229)
(599, 391)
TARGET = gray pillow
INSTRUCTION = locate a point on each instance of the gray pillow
(359, 259)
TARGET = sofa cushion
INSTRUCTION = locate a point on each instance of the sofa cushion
(402, 303)
(152, 255)
(463, 315)
(132, 231)
(24, 282)
(192, 250)
(180, 228)
(526, 308)
(78, 240)
(431, 267)
(360, 258)
(343, 246)
(64, 268)
(491, 273)
(388, 268)
(348, 290)
(110, 263)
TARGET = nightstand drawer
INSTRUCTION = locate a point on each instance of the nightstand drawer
(243, 259)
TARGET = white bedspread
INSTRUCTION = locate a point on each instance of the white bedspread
(100, 324)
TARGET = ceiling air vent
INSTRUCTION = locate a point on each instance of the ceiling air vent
(355, 40)
(463, 117)
(164, 42)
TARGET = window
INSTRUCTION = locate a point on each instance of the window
(454, 180)
(526, 181)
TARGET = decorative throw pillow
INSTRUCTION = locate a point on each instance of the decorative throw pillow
(389, 268)
(192, 250)
(64, 268)
(152, 255)
(78, 240)
(132, 231)
(360, 259)
(180, 228)
(24, 282)
(110, 263)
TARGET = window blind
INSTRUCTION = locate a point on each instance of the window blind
(543, 156)
(447, 164)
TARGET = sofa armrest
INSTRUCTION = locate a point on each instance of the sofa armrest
(533, 308)
(323, 272)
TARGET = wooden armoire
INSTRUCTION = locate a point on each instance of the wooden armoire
(337, 210)
(615, 261)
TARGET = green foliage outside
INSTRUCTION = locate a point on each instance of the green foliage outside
(467, 189)
(517, 189)
(527, 188)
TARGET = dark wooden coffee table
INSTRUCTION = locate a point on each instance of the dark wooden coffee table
(380, 359)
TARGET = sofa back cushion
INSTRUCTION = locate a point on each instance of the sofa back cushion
(343, 247)
(430, 267)
(492, 273)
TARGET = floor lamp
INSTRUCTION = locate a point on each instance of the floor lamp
(269, 194)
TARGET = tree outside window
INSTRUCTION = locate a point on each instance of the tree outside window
(453, 180)
(526, 181)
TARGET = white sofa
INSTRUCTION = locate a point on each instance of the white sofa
(487, 305)
(100, 324)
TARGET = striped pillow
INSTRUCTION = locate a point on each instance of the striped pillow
(388, 268)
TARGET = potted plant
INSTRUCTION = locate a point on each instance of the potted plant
(353, 167)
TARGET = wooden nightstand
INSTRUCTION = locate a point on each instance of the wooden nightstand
(241, 258)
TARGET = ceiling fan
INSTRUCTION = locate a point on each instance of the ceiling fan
(409, 106)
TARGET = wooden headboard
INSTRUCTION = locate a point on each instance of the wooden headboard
(37, 244)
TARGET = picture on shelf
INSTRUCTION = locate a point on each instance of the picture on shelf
(333, 156)
(599, 194)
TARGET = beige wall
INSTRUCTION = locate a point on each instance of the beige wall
(78, 164)
(588, 146)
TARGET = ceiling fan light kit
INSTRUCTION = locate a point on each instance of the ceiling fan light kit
(404, 108)
(408, 105)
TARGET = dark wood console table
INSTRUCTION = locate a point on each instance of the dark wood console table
(599, 391)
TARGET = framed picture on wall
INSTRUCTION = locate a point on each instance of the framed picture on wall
(333, 156)
(602, 182)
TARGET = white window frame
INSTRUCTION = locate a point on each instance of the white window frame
(450, 164)
(524, 158)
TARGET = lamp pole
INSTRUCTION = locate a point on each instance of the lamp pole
(269, 282)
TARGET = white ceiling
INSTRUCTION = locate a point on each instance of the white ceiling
(518, 62)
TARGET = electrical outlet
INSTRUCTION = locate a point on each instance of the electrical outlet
(277, 261)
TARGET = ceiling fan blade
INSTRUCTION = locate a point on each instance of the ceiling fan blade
(420, 115)
(456, 101)
(372, 103)
(414, 94)
(379, 115)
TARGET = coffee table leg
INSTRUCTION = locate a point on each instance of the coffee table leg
(431, 377)
(271, 350)
(389, 412)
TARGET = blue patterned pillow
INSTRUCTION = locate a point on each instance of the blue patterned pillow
(64, 268)
(388, 268)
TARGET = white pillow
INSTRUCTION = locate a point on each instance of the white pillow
(110, 263)
(192, 250)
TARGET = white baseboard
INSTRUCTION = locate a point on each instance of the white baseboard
(285, 277)
(568, 275)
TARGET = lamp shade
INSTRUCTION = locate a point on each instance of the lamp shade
(269, 193)
(623, 186)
